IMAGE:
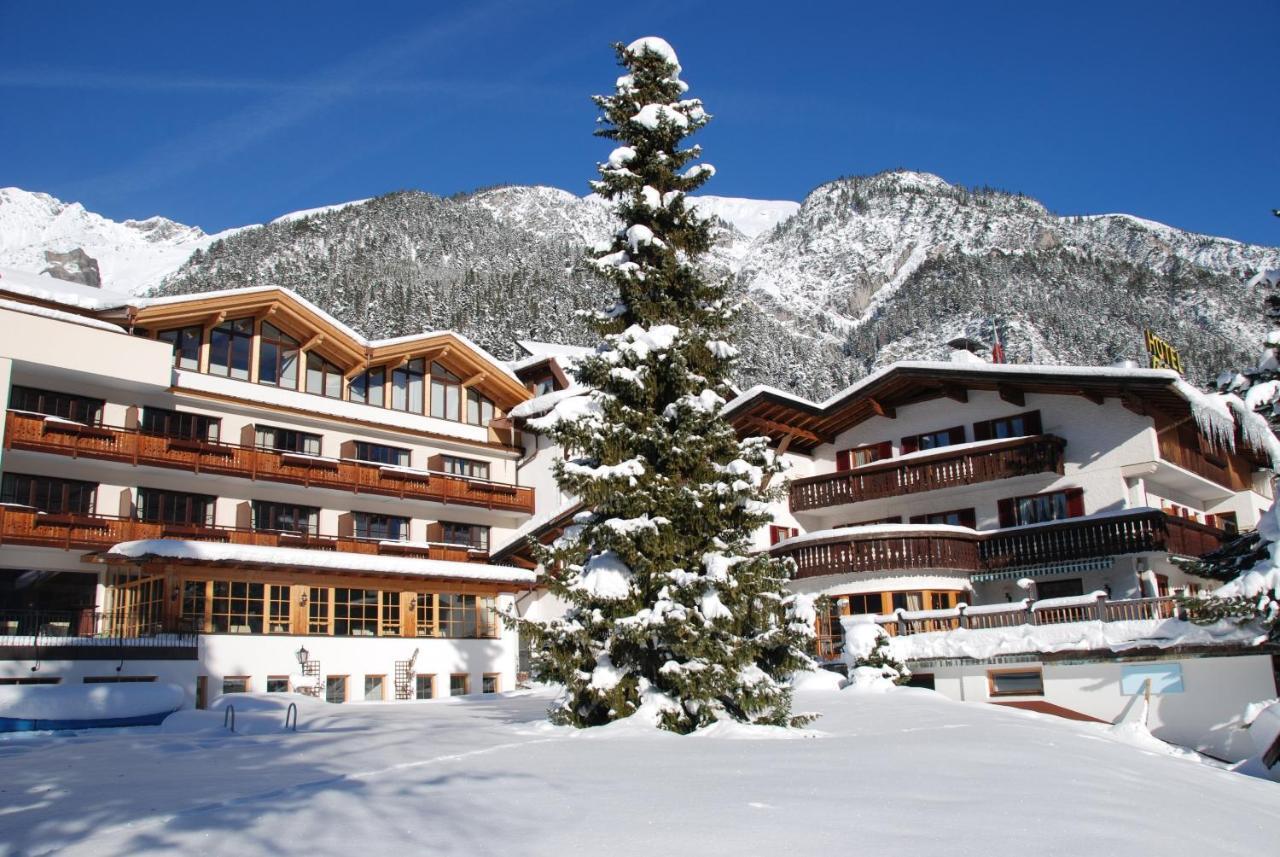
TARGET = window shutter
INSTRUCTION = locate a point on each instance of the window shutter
(1032, 422)
(917, 519)
(910, 444)
(957, 434)
(843, 457)
(244, 515)
(1006, 511)
(347, 449)
(884, 449)
(435, 532)
(248, 435)
(968, 518)
(346, 525)
(435, 462)
(982, 430)
(1075, 502)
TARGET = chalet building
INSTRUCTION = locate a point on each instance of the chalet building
(235, 491)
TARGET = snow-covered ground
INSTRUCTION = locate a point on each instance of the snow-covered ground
(903, 772)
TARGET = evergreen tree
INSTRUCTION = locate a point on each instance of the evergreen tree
(670, 613)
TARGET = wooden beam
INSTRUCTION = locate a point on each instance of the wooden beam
(782, 450)
(784, 429)
(1133, 403)
(313, 342)
(475, 379)
(216, 319)
(951, 391)
(881, 410)
(1096, 398)
(1012, 395)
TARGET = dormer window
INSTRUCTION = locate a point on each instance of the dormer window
(277, 358)
(186, 343)
(323, 377)
(230, 345)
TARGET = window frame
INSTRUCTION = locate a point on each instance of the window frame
(287, 440)
(471, 542)
(382, 687)
(365, 451)
(233, 332)
(180, 425)
(12, 485)
(994, 675)
(52, 403)
(417, 686)
(178, 498)
(485, 678)
(913, 443)
(365, 385)
(345, 684)
(274, 514)
(989, 429)
(466, 683)
(174, 336)
(328, 374)
(275, 348)
(247, 680)
(453, 465)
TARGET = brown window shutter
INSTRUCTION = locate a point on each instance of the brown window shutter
(969, 518)
(244, 515)
(435, 532)
(1005, 507)
(435, 462)
(346, 525)
(347, 449)
(957, 434)
(1033, 423)
(248, 435)
(1075, 502)
(910, 444)
(884, 449)
(843, 457)
(982, 430)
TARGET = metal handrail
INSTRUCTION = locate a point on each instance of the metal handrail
(229, 712)
(292, 709)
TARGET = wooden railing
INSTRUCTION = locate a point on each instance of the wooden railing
(875, 549)
(49, 628)
(894, 477)
(24, 526)
(131, 446)
(1229, 470)
(1029, 613)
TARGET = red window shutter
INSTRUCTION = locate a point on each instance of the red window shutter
(842, 459)
(982, 430)
(1075, 502)
(910, 444)
(968, 518)
(1008, 518)
(347, 449)
(1032, 421)
(957, 434)
(884, 449)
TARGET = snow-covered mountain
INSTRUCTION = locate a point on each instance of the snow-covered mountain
(866, 270)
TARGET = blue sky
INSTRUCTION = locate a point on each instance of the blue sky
(227, 114)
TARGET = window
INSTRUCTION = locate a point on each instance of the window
(933, 440)
(1037, 508)
(235, 684)
(865, 603)
(180, 425)
(1028, 682)
(1060, 588)
(860, 455)
(278, 609)
(424, 686)
(467, 616)
(1018, 425)
(277, 684)
(373, 688)
(924, 680)
(407, 382)
(236, 607)
(381, 527)
(446, 394)
(426, 615)
(380, 454)
(479, 409)
(323, 377)
(473, 536)
(335, 688)
(942, 600)
(81, 409)
(781, 534)
(459, 684)
(194, 598)
(911, 601)
(543, 385)
(390, 626)
(467, 467)
(284, 517)
(186, 346)
(955, 517)
(891, 519)
(367, 387)
(489, 683)
(229, 346)
(318, 611)
(175, 507)
(120, 679)
(277, 358)
(355, 612)
(10, 681)
(286, 440)
(56, 496)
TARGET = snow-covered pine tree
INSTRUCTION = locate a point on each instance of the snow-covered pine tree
(670, 613)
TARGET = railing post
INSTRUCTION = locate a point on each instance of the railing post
(1100, 608)
(964, 618)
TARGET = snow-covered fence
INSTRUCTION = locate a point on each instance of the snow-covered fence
(1094, 607)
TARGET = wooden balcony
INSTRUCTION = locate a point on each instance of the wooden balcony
(33, 433)
(873, 549)
(28, 527)
(944, 468)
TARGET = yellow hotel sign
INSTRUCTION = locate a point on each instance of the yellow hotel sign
(1162, 354)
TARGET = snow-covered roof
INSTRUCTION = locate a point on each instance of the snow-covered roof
(42, 287)
(59, 315)
(553, 349)
(531, 527)
(542, 404)
(314, 559)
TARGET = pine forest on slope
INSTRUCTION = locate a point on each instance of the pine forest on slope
(866, 270)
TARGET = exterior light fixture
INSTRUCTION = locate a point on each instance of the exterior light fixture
(303, 656)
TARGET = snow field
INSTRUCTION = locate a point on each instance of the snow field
(899, 772)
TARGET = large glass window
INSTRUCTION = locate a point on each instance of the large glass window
(380, 454)
(355, 612)
(230, 344)
(65, 496)
(467, 467)
(286, 440)
(382, 527)
(367, 387)
(237, 607)
(286, 517)
(318, 611)
(933, 439)
(390, 626)
(186, 346)
(335, 688)
(180, 425)
(468, 535)
(426, 615)
(446, 394)
(175, 507)
(479, 409)
(1028, 682)
(68, 406)
(424, 685)
(278, 609)
(467, 616)
(323, 377)
(407, 382)
(277, 358)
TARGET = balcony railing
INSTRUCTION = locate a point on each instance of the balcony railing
(945, 468)
(85, 627)
(24, 526)
(109, 443)
(879, 549)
